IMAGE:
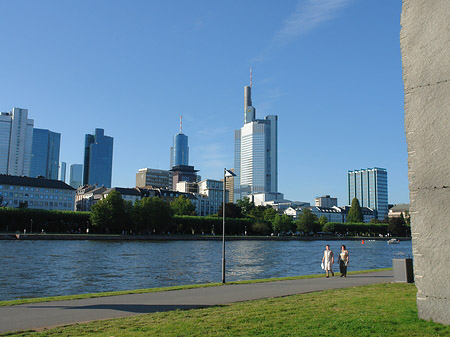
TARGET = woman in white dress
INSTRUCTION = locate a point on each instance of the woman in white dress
(328, 260)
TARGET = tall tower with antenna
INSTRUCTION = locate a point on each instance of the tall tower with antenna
(255, 152)
(249, 110)
(179, 152)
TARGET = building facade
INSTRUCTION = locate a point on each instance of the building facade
(76, 175)
(128, 194)
(229, 186)
(16, 141)
(98, 156)
(179, 152)
(183, 173)
(87, 196)
(213, 190)
(62, 172)
(370, 187)
(154, 178)
(332, 214)
(45, 154)
(255, 153)
(41, 193)
(325, 201)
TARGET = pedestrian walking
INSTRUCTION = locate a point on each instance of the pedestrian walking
(328, 260)
(343, 261)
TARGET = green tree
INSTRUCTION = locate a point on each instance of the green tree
(231, 210)
(182, 206)
(112, 214)
(269, 214)
(153, 215)
(407, 218)
(355, 214)
(261, 228)
(307, 222)
(322, 221)
(246, 206)
(397, 226)
(282, 223)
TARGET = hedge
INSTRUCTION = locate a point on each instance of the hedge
(353, 229)
(18, 219)
(210, 224)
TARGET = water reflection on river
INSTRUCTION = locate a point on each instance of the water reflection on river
(48, 268)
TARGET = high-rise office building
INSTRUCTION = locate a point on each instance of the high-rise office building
(62, 172)
(370, 187)
(98, 155)
(255, 152)
(16, 138)
(76, 175)
(179, 152)
(45, 154)
(155, 178)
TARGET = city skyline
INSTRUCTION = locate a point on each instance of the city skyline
(335, 83)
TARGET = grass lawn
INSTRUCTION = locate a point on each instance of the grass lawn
(374, 310)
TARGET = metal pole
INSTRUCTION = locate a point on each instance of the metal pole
(223, 229)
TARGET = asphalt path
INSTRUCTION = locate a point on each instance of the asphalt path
(51, 314)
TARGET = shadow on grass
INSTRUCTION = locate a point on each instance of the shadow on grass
(132, 308)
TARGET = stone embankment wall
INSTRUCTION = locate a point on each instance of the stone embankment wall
(425, 46)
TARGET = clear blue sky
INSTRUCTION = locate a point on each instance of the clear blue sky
(330, 69)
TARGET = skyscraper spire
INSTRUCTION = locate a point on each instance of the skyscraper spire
(181, 124)
(249, 110)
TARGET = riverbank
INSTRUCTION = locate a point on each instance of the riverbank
(368, 310)
(18, 236)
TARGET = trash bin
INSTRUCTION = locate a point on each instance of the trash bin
(403, 270)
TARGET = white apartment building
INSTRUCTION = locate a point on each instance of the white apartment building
(213, 190)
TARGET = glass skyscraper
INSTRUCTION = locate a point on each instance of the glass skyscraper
(179, 152)
(45, 154)
(255, 153)
(370, 187)
(16, 137)
(76, 175)
(98, 155)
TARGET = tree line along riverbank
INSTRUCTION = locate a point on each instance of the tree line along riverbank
(53, 236)
(153, 216)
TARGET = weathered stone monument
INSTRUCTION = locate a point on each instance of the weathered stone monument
(425, 44)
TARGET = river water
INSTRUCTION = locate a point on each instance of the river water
(50, 268)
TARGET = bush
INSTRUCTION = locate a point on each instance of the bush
(18, 219)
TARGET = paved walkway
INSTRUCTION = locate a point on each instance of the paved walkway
(51, 314)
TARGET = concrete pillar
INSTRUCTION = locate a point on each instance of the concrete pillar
(425, 45)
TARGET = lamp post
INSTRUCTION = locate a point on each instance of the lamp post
(226, 173)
